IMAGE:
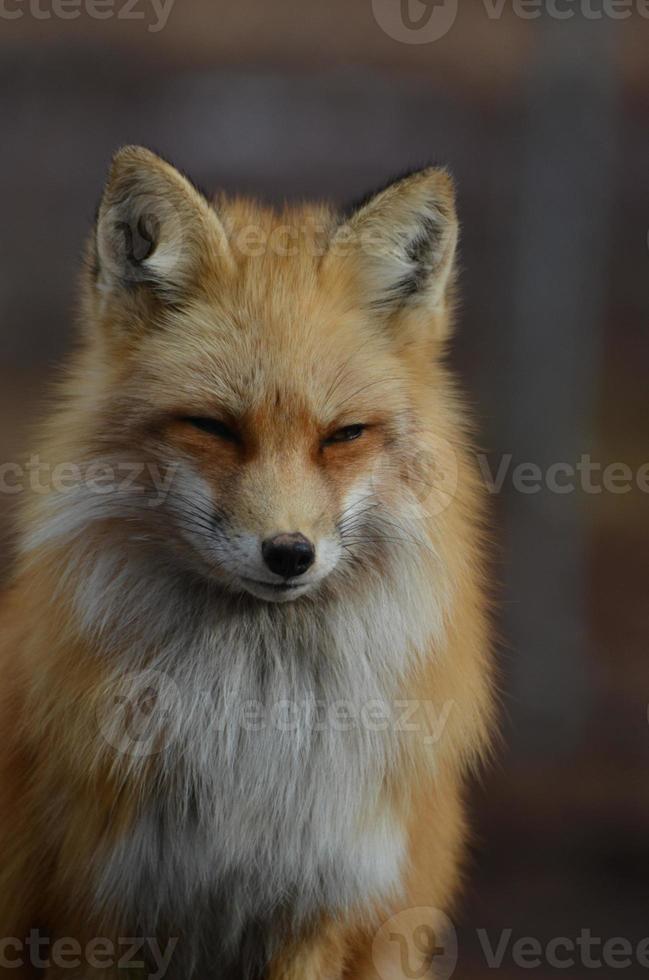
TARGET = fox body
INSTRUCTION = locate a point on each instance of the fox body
(245, 684)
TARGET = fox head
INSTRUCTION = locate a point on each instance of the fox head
(283, 369)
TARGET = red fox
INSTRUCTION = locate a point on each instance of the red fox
(246, 650)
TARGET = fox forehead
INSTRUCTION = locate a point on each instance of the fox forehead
(309, 360)
(276, 273)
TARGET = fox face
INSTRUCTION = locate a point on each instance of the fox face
(280, 470)
(281, 367)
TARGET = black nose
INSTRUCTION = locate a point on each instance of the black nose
(288, 555)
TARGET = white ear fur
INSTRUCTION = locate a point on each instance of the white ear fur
(154, 228)
(404, 242)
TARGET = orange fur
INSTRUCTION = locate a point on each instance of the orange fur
(64, 795)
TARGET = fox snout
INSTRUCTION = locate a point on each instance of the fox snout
(262, 553)
(281, 565)
(288, 555)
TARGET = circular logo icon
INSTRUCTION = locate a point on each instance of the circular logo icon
(432, 476)
(415, 21)
(136, 713)
(413, 942)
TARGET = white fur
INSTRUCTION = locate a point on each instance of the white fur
(241, 821)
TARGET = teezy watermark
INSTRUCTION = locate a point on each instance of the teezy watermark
(426, 21)
(98, 477)
(585, 475)
(415, 938)
(432, 475)
(154, 13)
(40, 952)
(562, 952)
(140, 714)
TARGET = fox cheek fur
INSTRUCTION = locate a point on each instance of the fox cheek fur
(208, 650)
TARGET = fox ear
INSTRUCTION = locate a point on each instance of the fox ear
(401, 243)
(154, 229)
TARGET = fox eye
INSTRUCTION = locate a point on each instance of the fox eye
(213, 427)
(347, 434)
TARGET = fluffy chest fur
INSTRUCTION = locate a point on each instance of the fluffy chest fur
(273, 737)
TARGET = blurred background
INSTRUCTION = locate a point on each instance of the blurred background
(544, 121)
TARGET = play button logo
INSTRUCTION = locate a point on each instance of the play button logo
(415, 21)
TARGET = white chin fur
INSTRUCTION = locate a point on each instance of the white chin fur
(272, 593)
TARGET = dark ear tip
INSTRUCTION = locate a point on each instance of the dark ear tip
(131, 153)
(443, 187)
(132, 163)
(129, 161)
(437, 178)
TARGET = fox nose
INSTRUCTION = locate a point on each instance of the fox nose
(288, 555)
